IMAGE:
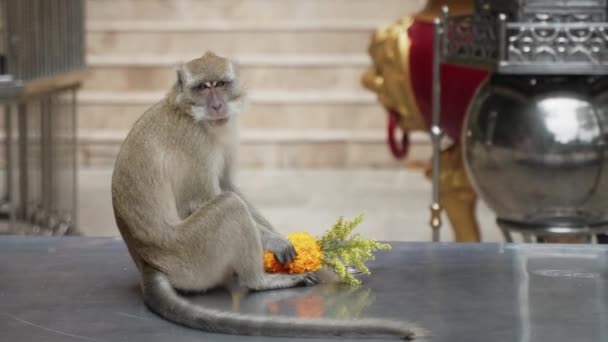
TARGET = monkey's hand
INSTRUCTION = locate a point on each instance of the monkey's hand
(282, 248)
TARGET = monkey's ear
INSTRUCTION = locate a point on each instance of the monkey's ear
(180, 79)
(184, 78)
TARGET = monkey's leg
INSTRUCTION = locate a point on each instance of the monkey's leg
(272, 240)
(230, 240)
(250, 270)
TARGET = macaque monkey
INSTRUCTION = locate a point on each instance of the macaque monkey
(188, 228)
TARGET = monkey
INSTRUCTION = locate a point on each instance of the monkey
(186, 225)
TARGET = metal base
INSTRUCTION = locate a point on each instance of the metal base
(540, 230)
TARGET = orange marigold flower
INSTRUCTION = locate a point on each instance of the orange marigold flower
(271, 264)
(309, 256)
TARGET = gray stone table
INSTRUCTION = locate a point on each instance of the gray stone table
(86, 289)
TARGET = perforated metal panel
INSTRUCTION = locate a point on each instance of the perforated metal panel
(547, 10)
(43, 38)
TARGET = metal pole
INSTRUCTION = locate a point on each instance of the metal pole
(502, 39)
(10, 198)
(74, 112)
(436, 132)
(47, 147)
(23, 162)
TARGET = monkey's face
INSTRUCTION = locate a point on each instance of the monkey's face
(213, 100)
(209, 90)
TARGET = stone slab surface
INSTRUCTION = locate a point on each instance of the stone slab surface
(86, 289)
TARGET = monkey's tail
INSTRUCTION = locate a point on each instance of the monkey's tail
(162, 299)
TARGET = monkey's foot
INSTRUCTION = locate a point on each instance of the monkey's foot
(310, 279)
(284, 281)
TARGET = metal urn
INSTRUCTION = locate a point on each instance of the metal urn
(535, 135)
(535, 148)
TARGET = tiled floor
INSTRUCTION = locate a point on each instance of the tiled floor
(395, 202)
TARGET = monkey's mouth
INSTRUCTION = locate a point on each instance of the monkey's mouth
(217, 115)
(218, 121)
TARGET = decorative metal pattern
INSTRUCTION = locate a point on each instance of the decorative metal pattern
(557, 43)
(545, 10)
(564, 17)
(526, 47)
(470, 39)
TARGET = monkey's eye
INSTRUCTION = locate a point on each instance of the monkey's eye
(220, 83)
(201, 86)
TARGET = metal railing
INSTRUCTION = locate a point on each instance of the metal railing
(42, 64)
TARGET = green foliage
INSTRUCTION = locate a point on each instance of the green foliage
(340, 249)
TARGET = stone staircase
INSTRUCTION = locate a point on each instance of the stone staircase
(301, 60)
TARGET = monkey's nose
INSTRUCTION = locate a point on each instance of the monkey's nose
(217, 107)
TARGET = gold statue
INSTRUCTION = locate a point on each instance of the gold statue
(390, 78)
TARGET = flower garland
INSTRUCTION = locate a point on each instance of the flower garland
(335, 250)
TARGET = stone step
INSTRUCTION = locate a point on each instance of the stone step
(281, 149)
(274, 96)
(302, 110)
(230, 42)
(251, 11)
(301, 60)
(257, 116)
(150, 73)
(197, 26)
